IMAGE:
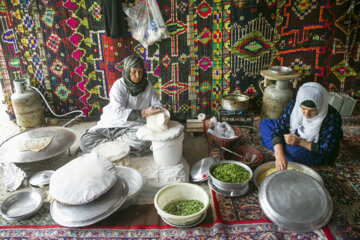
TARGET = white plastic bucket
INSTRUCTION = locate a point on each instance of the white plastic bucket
(169, 152)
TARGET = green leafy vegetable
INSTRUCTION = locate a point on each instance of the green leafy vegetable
(184, 207)
(230, 173)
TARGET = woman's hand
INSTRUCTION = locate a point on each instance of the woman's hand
(291, 139)
(280, 160)
(150, 111)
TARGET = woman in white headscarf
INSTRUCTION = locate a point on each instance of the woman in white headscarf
(308, 131)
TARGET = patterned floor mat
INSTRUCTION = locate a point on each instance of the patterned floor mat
(341, 180)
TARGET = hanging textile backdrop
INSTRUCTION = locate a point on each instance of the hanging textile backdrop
(216, 47)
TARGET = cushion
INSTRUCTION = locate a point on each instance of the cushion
(82, 180)
(113, 150)
(175, 129)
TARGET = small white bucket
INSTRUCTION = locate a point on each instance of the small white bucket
(169, 152)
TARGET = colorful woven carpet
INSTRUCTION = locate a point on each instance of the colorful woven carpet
(216, 47)
(257, 229)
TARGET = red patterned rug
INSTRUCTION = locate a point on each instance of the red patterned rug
(341, 180)
(254, 229)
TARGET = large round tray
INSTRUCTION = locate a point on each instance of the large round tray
(295, 201)
(63, 138)
(293, 165)
(87, 214)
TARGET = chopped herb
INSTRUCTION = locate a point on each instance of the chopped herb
(183, 207)
(230, 173)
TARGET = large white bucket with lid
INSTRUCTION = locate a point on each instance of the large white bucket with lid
(169, 152)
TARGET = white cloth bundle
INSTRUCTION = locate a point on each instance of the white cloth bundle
(82, 180)
(221, 129)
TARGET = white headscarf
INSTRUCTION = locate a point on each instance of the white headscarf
(309, 129)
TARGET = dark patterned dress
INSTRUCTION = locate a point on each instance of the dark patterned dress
(324, 151)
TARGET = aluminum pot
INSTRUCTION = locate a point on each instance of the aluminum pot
(235, 102)
(230, 186)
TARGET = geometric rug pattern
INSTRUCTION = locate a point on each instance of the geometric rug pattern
(342, 181)
(215, 47)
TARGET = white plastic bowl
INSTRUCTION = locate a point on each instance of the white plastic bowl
(181, 191)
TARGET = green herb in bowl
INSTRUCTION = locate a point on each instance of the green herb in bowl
(183, 207)
(230, 173)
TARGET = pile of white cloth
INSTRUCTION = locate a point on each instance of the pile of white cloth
(221, 129)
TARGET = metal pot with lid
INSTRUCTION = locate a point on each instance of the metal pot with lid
(40, 181)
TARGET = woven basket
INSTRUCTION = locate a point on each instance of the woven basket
(225, 142)
(248, 153)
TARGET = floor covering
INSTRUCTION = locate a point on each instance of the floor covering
(229, 218)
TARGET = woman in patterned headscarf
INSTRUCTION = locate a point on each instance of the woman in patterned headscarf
(132, 98)
(308, 131)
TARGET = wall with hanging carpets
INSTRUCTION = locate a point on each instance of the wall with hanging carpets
(216, 47)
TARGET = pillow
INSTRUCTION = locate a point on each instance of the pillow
(113, 150)
(82, 180)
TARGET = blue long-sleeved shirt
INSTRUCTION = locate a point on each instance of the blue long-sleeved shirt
(329, 136)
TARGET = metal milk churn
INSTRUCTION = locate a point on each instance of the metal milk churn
(276, 97)
(27, 106)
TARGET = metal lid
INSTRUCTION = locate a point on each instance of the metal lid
(295, 201)
(200, 171)
(41, 178)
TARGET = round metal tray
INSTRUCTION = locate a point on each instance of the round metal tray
(21, 205)
(295, 201)
(89, 213)
(63, 138)
(200, 171)
(293, 165)
(135, 182)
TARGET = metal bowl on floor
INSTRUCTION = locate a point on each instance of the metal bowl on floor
(21, 205)
(135, 182)
(230, 187)
(265, 169)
